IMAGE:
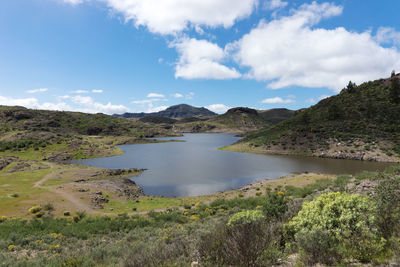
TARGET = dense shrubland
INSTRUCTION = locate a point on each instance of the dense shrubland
(324, 223)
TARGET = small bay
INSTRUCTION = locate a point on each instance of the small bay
(197, 167)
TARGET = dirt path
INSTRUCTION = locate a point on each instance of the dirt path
(39, 183)
(79, 205)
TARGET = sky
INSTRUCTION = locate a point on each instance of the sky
(116, 56)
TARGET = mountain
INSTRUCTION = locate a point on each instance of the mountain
(239, 119)
(362, 122)
(177, 111)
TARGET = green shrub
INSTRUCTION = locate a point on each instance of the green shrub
(387, 197)
(241, 244)
(347, 223)
(48, 207)
(35, 209)
(246, 217)
(275, 204)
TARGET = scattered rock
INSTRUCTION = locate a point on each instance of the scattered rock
(80, 180)
(82, 190)
(6, 160)
(98, 201)
(364, 187)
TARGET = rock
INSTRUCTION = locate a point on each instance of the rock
(98, 201)
(83, 190)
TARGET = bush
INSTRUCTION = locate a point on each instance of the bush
(48, 207)
(35, 209)
(242, 245)
(387, 197)
(347, 224)
(245, 217)
(275, 204)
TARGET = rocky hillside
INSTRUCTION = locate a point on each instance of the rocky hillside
(177, 111)
(362, 122)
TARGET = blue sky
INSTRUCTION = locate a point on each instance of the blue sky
(115, 56)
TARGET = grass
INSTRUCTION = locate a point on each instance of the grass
(22, 184)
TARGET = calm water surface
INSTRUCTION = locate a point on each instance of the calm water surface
(197, 167)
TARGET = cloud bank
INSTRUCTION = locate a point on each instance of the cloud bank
(290, 51)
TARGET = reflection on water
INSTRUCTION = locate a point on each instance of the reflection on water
(197, 167)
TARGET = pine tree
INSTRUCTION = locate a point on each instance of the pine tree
(395, 90)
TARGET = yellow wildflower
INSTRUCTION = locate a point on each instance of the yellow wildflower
(194, 217)
(280, 193)
(35, 209)
(197, 204)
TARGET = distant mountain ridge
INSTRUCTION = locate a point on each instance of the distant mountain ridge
(177, 111)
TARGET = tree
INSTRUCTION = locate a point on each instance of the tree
(351, 86)
(395, 90)
(393, 74)
(334, 112)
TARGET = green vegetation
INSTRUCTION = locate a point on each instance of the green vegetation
(238, 119)
(360, 116)
(337, 226)
(332, 225)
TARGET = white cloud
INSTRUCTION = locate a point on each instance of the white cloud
(40, 90)
(289, 51)
(141, 102)
(278, 100)
(76, 103)
(80, 92)
(275, 4)
(155, 95)
(174, 16)
(218, 108)
(73, 2)
(200, 59)
(33, 103)
(152, 108)
(177, 95)
(313, 100)
(189, 96)
(87, 104)
(97, 91)
(387, 35)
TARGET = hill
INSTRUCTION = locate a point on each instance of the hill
(63, 135)
(177, 111)
(239, 119)
(362, 122)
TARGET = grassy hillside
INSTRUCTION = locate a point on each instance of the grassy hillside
(362, 122)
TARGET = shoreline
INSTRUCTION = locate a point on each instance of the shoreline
(246, 148)
(58, 183)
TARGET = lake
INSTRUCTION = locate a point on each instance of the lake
(197, 167)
